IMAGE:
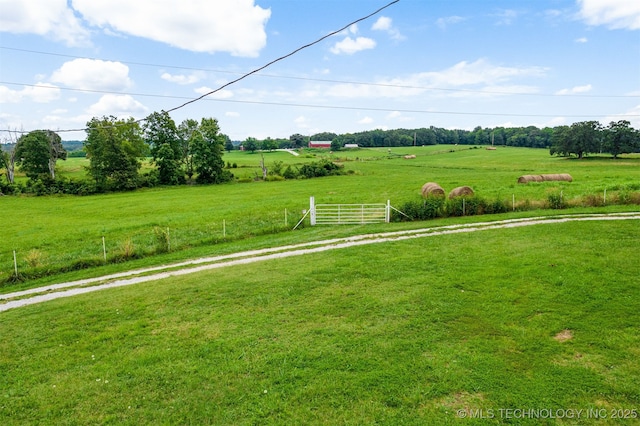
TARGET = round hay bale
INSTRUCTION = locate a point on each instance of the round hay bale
(565, 177)
(432, 189)
(461, 191)
(530, 178)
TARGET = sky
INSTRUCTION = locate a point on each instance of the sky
(455, 64)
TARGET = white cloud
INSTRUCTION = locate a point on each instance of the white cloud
(632, 116)
(221, 94)
(350, 46)
(382, 24)
(181, 78)
(40, 93)
(233, 26)
(93, 74)
(49, 18)
(386, 24)
(615, 14)
(506, 16)
(443, 23)
(480, 72)
(232, 114)
(398, 116)
(117, 105)
(480, 76)
(575, 90)
(582, 40)
(365, 120)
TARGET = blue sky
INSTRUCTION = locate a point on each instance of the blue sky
(418, 63)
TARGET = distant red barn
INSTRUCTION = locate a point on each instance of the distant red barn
(319, 144)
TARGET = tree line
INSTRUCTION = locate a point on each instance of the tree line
(115, 148)
(193, 150)
(617, 138)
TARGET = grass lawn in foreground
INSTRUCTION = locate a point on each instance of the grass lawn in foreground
(542, 317)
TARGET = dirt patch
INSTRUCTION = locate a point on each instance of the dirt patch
(564, 335)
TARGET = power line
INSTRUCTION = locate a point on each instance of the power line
(334, 107)
(324, 80)
(257, 70)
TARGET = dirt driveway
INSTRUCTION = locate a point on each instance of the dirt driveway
(68, 289)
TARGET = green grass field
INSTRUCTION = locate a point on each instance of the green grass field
(540, 318)
(54, 234)
(422, 331)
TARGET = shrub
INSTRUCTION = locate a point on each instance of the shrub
(556, 201)
(465, 206)
(290, 173)
(321, 168)
(276, 168)
(497, 206)
(429, 208)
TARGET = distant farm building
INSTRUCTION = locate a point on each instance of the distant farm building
(320, 144)
(350, 145)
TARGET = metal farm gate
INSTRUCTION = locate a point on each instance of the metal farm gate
(348, 214)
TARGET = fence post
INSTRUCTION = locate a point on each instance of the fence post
(312, 210)
(513, 202)
(15, 263)
(605, 196)
(104, 250)
(224, 228)
(387, 212)
(168, 240)
(285, 218)
(463, 207)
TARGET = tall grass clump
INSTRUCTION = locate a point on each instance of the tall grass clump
(34, 258)
(162, 239)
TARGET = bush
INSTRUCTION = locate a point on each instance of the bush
(430, 208)
(7, 188)
(276, 168)
(290, 173)
(321, 168)
(465, 206)
(556, 201)
(497, 206)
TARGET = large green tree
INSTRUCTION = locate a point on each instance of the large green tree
(161, 133)
(207, 150)
(188, 132)
(114, 148)
(621, 138)
(579, 139)
(250, 144)
(37, 153)
(297, 140)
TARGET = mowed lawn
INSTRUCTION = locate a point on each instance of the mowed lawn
(411, 332)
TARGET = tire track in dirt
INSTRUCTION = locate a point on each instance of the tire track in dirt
(56, 291)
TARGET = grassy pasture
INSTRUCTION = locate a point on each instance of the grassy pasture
(60, 231)
(543, 317)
